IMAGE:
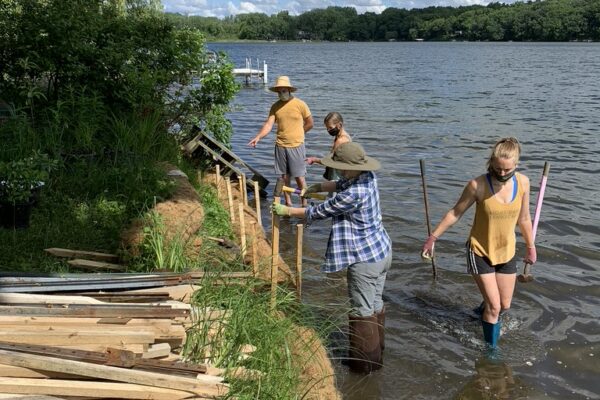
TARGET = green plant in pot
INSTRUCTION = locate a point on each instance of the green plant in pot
(20, 183)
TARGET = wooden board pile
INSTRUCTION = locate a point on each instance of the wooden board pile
(104, 336)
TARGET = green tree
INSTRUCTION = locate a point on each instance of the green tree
(254, 26)
(122, 56)
(365, 28)
(534, 20)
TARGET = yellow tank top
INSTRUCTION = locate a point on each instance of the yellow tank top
(493, 231)
(290, 116)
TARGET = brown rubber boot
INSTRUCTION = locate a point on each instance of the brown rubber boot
(365, 350)
(381, 327)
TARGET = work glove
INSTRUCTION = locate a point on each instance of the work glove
(314, 188)
(530, 256)
(427, 251)
(280, 209)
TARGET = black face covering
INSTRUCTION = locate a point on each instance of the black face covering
(502, 178)
(334, 131)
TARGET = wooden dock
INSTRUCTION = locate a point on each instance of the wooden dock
(251, 72)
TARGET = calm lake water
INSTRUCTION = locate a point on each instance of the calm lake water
(447, 103)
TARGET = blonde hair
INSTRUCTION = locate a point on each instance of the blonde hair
(508, 147)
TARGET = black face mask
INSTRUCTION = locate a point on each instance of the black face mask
(334, 131)
(502, 178)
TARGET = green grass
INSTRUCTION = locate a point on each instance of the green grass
(216, 218)
(62, 221)
(251, 321)
(100, 188)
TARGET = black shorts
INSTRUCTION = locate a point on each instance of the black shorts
(477, 265)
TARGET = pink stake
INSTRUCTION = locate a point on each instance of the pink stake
(540, 198)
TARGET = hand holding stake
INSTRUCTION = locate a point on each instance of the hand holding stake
(526, 275)
(425, 199)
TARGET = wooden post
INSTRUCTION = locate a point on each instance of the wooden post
(218, 179)
(230, 199)
(299, 237)
(274, 254)
(243, 191)
(254, 249)
(426, 201)
(242, 231)
(257, 202)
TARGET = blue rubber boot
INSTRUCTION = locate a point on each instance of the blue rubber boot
(491, 333)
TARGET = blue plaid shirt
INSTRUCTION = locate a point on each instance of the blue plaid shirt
(357, 233)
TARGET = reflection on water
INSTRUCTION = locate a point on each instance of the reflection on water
(493, 379)
(447, 103)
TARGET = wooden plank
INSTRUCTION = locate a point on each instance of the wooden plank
(203, 138)
(102, 348)
(49, 326)
(116, 357)
(61, 387)
(179, 292)
(219, 158)
(73, 337)
(14, 396)
(88, 282)
(96, 265)
(25, 320)
(21, 372)
(158, 350)
(108, 311)
(30, 298)
(89, 255)
(208, 386)
(126, 297)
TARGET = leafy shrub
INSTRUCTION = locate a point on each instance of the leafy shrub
(18, 178)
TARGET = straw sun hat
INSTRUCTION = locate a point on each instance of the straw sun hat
(351, 156)
(282, 82)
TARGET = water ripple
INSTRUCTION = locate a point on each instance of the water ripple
(447, 103)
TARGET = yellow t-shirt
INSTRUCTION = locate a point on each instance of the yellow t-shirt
(289, 117)
(493, 231)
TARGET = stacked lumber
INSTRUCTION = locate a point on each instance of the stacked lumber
(95, 336)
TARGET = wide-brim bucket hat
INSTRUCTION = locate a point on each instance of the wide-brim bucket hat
(351, 156)
(282, 82)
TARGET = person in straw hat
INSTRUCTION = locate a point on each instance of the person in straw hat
(293, 119)
(359, 243)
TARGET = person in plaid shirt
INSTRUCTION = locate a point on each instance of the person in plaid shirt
(359, 243)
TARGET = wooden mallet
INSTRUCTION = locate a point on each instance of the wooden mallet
(280, 188)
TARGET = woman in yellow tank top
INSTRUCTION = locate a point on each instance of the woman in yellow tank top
(502, 202)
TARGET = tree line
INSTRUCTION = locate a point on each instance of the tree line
(547, 20)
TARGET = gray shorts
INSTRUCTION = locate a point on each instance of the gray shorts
(290, 161)
(365, 286)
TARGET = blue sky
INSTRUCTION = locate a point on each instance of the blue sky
(223, 8)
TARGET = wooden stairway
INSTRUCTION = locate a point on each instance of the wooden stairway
(231, 165)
